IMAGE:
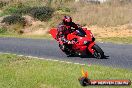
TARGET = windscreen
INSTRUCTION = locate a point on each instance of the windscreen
(81, 32)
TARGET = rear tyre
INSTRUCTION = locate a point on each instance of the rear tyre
(98, 53)
(67, 51)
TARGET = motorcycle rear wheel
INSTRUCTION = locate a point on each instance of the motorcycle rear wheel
(98, 53)
(66, 51)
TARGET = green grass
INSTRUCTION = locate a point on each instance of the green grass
(120, 40)
(3, 14)
(13, 35)
(22, 72)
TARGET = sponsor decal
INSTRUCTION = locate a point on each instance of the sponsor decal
(86, 81)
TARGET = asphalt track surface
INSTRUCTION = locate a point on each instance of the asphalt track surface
(119, 55)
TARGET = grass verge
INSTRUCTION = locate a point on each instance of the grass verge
(22, 72)
(6, 35)
(119, 40)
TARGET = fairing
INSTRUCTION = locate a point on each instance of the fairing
(80, 46)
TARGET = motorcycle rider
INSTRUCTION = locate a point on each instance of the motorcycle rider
(64, 29)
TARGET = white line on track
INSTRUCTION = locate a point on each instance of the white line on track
(46, 59)
(76, 63)
(68, 62)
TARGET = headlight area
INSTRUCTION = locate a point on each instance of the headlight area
(93, 39)
(91, 35)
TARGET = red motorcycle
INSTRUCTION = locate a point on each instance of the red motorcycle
(84, 42)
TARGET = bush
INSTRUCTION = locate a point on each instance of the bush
(2, 4)
(11, 10)
(41, 13)
(2, 30)
(14, 8)
(24, 10)
(64, 9)
(14, 19)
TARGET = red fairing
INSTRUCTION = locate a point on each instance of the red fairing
(53, 32)
(90, 47)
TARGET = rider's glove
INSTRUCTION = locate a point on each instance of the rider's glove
(71, 42)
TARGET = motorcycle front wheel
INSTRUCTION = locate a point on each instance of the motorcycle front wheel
(98, 52)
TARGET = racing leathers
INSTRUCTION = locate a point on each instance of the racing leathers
(63, 31)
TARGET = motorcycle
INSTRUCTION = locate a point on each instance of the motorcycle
(84, 42)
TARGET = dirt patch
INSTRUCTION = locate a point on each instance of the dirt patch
(40, 31)
(1, 11)
(29, 20)
(34, 27)
(119, 31)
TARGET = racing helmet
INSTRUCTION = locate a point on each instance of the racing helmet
(67, 19)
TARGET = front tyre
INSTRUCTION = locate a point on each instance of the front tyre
(98, 52)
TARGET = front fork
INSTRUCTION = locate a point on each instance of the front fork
(90, 47)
